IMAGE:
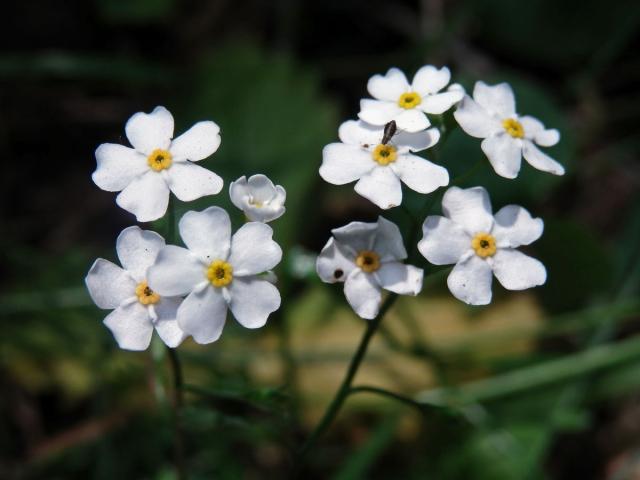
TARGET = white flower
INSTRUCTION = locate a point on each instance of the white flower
(367, 258)
(217, 271)
(491, 115)
(378, 167)
(407, 104)
(479, 243)
(137, 309)
(258, 198)
(157, 164)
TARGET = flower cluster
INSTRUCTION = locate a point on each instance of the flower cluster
(178, 291)
(378, 152)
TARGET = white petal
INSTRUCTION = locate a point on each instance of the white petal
(443, 241)
(263, 214)
(148, 131)
(117, 166)
(176, 271)
(131, 326)
(147, 197)
(469, 207)
(498, 99)
(363, 294)
(378, 112)
(167, 324)
(416, 141)
(189, 181)
(333, 264)
(197, 143)
(356, 236)
(440, 102)
(547, 138)
(382, 187)
(505, 154)
(388, 87)
(262, 189)
(475, 120)
(207, 233)
(388, 241)
(534, 130)
(430, 79)
(108, 284)
(357, 132)
(252, 301)
(541, 161)
(400, 278)
(239, 192)
(413, 120)
(420, 174)
(514, 227)
(253, 249)
(470, 281)
(342, 164)
(137, 250)
(517, 271)
(202, 314)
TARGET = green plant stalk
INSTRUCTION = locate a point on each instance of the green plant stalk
(176, 370)
(345, 388)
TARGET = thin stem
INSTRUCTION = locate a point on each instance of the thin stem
(343, 392)
(178, 401)
(421, 406)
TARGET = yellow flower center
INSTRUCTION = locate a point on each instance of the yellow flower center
(368, 261)
(384, 154)
(513, 127)
(220, 273)
(160, 159)
(484, 245)
(256, 203)
(145, 295)
(409, 100)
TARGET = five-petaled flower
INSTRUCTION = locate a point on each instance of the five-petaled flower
(407, 104)
(479, 243)
(367, 257)
(137, 309)
(157, 164)
(379, 168)
(491, 115)
(258, 198)
(217, 271)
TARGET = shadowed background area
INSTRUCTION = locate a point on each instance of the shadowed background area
(546, 382)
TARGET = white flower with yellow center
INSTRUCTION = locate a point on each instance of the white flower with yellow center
(367, 257)
(480, 243)
(407, 104)
(258, 198)
(137, 309)
(157, 164)
(217, 272)
(491, 115)
(380, 168)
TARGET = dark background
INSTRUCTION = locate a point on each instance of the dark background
(279, 77)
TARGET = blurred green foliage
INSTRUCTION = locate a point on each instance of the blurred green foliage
(559, 371)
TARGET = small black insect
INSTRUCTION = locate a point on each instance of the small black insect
(390, 129)
(338, 273)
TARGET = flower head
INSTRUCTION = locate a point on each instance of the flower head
(480, 243)
(137, 309)
(217, 272)
(491, 115)
(258, 198)
(157, 164)
(406, 104)
(367, 257)
(379, 168)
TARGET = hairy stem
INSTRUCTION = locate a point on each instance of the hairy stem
(345, 388)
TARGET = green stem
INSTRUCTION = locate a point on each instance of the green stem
(423, 407)
(178, 401)
(343, 392)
